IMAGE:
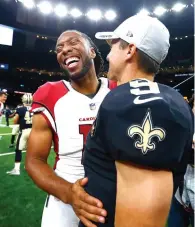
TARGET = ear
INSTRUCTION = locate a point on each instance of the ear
(131, 51)
(92, 53)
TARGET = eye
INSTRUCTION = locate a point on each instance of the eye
(58, 49)
(74, 42)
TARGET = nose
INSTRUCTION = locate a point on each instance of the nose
(66, 49)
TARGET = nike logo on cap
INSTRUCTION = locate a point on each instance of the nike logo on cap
(141, 101)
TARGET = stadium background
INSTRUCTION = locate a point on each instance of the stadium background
(30, 61)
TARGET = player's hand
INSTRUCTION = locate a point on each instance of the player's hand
(86, 207)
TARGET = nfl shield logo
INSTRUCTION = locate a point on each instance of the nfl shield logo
(92, 106)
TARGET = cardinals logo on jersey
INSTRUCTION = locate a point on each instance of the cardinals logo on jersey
(145, 133)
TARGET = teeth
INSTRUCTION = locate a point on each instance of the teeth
(71, 60)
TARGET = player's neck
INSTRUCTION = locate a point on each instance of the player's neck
(134, 74)
(86, 85)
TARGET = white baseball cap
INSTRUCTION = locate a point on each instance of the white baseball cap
(147, 33)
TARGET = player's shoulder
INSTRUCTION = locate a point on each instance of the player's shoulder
(142, 91)
(50, 90)
(139, 95)
(167, 90)
(21, 109)
(146, 111)
(48, 87)
(173, 99)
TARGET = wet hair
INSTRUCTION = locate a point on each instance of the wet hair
(98, 60)
(145, 63)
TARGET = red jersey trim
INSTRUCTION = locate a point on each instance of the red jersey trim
(56, 148)
(55, 140)
(47, 96)
(40, 104)
(47, 120)
(112, 84)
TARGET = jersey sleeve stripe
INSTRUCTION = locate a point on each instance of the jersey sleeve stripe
(55, 140)
(49, 118)
(37, 107)
(47, 113)
(112, 84)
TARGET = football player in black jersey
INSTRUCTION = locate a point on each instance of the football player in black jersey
(15, 127)
(142, 133)
(23, 118)
(3, 98)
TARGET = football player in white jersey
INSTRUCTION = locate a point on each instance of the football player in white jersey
(63, 114)
(3, 98)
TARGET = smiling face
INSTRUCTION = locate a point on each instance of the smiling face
(74, 54)
(3, 98)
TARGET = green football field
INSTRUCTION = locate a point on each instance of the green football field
(21, 202)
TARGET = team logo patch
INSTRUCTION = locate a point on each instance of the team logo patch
(129, 34)
(92, 106)
(146, 132)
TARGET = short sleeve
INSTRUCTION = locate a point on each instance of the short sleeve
(45, 99)
(152, 134)
(18, 111)
(40, 98)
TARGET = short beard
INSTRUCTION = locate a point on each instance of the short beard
(86, 67)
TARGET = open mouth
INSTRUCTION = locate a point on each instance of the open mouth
(71, 62)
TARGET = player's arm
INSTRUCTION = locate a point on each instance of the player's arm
(12, 115)
(143, 196)
(39, 145)
(16, 119)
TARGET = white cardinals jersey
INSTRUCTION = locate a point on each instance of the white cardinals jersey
(1, 108)
(70, 115)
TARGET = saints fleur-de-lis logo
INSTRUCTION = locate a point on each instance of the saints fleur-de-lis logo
(146, 132)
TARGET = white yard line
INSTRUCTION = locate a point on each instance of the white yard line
(4, 154)
(5, 134)
(10, 153)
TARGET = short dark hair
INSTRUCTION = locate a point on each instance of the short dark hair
(145, 63)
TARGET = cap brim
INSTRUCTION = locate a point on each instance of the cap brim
(108, 36)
